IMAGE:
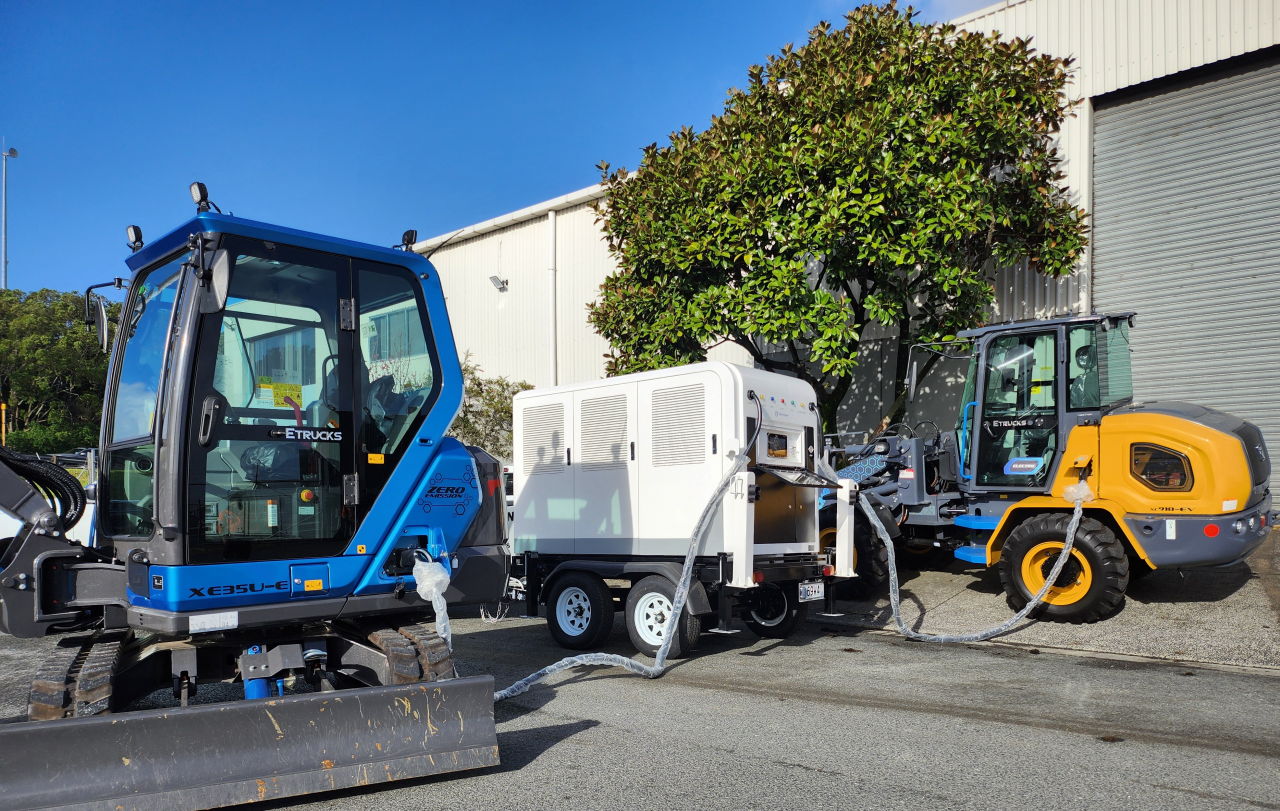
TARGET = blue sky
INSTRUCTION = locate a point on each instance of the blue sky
(359, 120)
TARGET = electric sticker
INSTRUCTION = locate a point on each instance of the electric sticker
(1023, 466)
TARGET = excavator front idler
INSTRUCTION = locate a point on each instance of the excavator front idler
(213, 755)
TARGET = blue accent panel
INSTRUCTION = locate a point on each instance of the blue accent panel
(227, 585)
(987, 522)
(972, 554)
(964, 437)
(434, 495)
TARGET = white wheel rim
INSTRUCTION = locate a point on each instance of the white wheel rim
(650, 617)
(573, 611)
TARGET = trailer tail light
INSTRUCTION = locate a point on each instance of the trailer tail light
(1211, 530)
(757, 577)
(828, 570)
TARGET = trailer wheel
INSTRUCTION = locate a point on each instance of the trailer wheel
(774, 612)
(579, 610)
(1092, 584)
(649, 603)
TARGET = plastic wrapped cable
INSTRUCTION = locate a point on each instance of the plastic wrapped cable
(659, 665)
(433, 581)
(1078, 493)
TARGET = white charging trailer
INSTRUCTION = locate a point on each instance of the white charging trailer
(611, 477)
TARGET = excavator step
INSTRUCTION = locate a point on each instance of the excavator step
(249, 751)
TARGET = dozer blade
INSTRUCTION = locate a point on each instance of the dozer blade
(245, 751)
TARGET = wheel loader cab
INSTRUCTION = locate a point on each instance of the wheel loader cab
(1027, 388)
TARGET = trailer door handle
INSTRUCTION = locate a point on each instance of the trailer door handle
(633, 451)
(568, 456)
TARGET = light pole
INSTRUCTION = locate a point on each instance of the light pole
(4, 215)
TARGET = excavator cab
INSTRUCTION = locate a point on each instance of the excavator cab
(1027, 387)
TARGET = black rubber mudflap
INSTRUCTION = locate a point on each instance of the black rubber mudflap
(247, 751)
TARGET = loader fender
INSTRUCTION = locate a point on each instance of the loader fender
(1106, 512)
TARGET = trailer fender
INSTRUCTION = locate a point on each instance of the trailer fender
(1102, 510)
(699, 603)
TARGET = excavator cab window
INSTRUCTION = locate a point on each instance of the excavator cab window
(130, 457)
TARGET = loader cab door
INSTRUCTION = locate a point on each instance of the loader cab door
(1013, 433)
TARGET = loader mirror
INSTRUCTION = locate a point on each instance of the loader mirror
(214, 296)
(100, 321)
(912, 378)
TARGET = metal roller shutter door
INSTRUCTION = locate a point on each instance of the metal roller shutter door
(1186, 215)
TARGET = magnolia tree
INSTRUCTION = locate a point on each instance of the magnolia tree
(875, 175)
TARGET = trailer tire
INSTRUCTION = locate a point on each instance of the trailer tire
(1092, 585)
(648, 604)
(579, 610)
(778, 613)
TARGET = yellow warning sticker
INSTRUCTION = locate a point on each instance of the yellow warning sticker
(377, 459)
(313, 585)
(290, 391)
(361, 549)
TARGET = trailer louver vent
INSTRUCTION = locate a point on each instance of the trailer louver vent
(603, 423)
(679, 426)
(543, 429)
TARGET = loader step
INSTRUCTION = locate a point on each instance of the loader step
(973, 553)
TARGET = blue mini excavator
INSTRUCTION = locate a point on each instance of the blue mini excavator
(272, 463)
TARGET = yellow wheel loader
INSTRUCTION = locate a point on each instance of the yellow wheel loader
(1048, 404)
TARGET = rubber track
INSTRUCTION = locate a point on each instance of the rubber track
(434, 656)
(91, 694)
(402, 657)
(49, 698)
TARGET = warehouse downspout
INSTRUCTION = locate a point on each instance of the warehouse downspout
(551, 297)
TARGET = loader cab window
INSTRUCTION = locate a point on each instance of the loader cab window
(271, 410)
(1015, 437)
(144, 329)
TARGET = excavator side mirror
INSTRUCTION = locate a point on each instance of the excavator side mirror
(214, 297)
(100, 321)
(912, 377)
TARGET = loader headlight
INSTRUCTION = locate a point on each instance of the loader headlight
(1238, 526)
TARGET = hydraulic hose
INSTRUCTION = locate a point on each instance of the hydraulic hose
(60, 488)
(1077, 493)
(659, 665)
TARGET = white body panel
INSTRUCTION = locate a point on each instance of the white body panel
(647, 452)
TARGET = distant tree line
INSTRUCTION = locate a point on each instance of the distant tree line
(52, 371)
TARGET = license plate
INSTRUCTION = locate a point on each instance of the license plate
(811, 590)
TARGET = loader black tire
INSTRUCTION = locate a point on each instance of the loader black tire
(434, 657)
(579, 610)
(870, 558)
(1091, 586)
(774, 612)
(645, 601)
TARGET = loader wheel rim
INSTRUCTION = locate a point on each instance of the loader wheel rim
(650, 617)
(573, 611)
(1074, 582)
(827, 540)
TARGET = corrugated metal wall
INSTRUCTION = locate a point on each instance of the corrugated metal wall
(1187, 200)
(1116, 44)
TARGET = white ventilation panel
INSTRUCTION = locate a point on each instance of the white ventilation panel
(604, 442)
(543, 439)
(679, 426)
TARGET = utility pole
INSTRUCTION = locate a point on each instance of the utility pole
(4, 215)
